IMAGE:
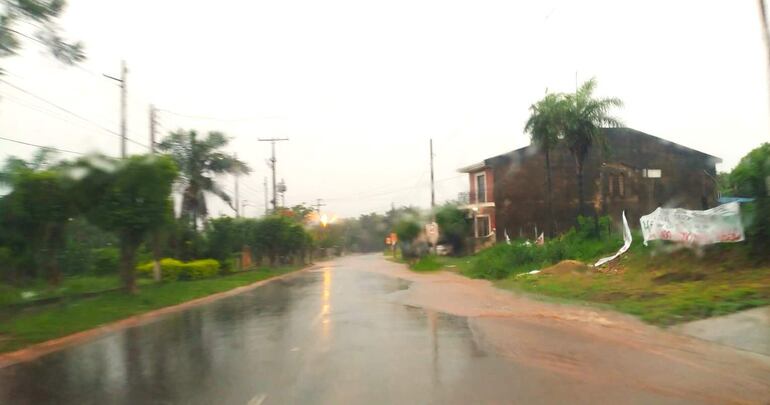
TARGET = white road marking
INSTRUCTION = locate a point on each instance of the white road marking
(257, 400)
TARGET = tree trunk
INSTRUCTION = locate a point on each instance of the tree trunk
(549, 192)
(156, 256)
(579, 170)
(128, 264)
(53, 234)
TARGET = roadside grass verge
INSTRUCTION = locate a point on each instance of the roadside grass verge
(34, 326)
(427, 263)
(660, 287)
(70, 286)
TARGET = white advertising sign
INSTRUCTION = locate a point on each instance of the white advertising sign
(719, 224)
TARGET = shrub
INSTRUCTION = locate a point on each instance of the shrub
(198, 269)
(504, 260)
(106, 260)
(170, 269)
(427, 263)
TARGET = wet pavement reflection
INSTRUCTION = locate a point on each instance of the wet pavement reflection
(331, 335)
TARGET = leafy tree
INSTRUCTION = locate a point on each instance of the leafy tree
(546, 127)
(407, 231)
(751, 178)
(271, 235)
(130, 197)
(199, 161)
(585, 118)
(14, 167)
(39, 208)
(41, 15)
(454, 227)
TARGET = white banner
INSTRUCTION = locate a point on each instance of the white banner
(627, 239)
(720, 224)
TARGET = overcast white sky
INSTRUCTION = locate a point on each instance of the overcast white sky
(360, 86)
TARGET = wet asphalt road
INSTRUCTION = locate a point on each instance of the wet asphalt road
(329, 335)
(338, 334)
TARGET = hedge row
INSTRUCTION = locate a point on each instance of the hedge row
(172, 269)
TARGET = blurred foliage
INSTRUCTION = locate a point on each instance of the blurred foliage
(41, 15)
(503, 260)
(751, 178)
(116, 196)
(454, 227)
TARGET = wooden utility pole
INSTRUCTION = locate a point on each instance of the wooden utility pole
(271, 163)
(153, 123)
(123, 106)
(318, 204)
(265, 186)
(432, 185)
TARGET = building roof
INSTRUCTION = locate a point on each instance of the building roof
(612, 132)
(472, 168)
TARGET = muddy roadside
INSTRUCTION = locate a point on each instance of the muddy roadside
(590, 345)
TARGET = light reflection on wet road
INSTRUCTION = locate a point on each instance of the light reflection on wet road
(325, 336)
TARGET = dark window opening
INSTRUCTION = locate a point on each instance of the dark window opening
(481, 188)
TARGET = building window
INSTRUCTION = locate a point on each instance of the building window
(481, 188)
(652, 173)
(482, 226)
(617, 185)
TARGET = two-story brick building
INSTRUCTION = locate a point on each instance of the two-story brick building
(638, 173)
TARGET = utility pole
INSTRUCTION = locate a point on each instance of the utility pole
(318, 205)
(237, 196)
(272, 165)
(432, 185)
(122, 81)
(153, 123)
(265, 186)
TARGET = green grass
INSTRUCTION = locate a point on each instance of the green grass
(70, 286)
(26, 328)
(427, 263)
(663, 289)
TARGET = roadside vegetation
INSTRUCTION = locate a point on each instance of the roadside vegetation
(37, 325)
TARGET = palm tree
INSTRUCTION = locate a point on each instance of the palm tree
(546, 128)
(585, 118)
(198, 162)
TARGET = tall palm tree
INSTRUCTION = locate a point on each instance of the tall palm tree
(198, 162)
(546, 128)
(585, 118)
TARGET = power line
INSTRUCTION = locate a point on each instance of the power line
(74, 114)
(210, 118)
(41, 146)
(395, 190)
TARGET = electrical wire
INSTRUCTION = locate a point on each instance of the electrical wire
(210, 118)
(41, 146)
(74, 114)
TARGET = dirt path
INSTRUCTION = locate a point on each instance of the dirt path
(592, 347)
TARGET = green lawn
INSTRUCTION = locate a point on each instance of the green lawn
(29, 327)
(662, 289)
(70, 286)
